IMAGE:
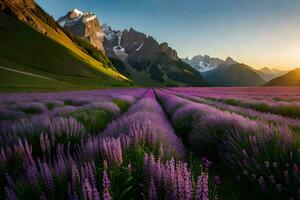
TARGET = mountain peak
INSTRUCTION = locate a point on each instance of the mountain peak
(204, 63)
(85, 25)
(229, 60)
(77, 11)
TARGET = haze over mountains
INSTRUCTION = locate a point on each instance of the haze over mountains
(78, 51)
(292, 78)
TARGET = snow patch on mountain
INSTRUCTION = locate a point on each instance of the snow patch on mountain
(77, 11)
(204, 63)
(139, 48)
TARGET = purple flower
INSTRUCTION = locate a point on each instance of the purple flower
(217, 180)
(206, 163)
(261, 182)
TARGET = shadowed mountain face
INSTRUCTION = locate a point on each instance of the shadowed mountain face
(229, 74)
(146, 61)
(292, 78)
(36, 54)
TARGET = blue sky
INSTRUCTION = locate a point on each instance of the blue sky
(261, 33)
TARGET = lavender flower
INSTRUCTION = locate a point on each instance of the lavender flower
(152, 191)
(202, 188)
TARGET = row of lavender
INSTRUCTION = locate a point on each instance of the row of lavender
(259, 154)
(34, 107)
(288, 94)
(20, 105)
(281, 103)
(267, 117)
(138, 156)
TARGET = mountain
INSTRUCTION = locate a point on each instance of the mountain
(292, 78)
(228, 72)
(84, 25)
(232, 73)
(36, 54)
(146, 61)
(270, 73)
(203, 63)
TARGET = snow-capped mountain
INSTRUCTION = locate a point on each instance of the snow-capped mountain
(203, 63)
(85, 25)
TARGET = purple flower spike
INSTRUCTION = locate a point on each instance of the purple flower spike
(202, 188)
(106, 186)
(152, 191)
(206, 163)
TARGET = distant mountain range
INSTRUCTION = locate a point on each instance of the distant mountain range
(270, 73)
(292, 78)
(229, 72)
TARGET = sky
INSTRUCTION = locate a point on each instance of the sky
(260, 33)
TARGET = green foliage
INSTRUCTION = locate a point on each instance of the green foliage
(156, 74)
(51, 105)
(31, 110)
(94, 120)
(89, 49)
(119, 65)
(123, 105)
(45, 17)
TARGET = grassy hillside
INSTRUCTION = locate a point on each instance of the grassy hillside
(52, 55)
(290, 79)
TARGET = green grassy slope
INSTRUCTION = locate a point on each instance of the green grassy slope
(22, 82)
(22, 48)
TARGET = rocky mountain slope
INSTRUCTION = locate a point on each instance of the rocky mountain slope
(33, 46)
(292, 78)
(84, 25)
(146, 61)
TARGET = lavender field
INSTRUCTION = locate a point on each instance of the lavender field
(144, 143)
